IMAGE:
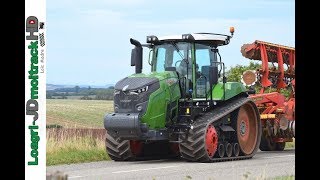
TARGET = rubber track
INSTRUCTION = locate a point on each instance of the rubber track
(193, 149)
(118, 150)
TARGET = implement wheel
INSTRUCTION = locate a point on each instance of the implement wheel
(267, 144)
(280, 146)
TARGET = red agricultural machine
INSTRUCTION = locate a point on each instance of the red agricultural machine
(277, 74)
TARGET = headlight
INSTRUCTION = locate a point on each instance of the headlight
(139, 108)
(138, 91)
(116, 92)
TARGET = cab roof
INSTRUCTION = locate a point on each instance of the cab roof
(206, 38)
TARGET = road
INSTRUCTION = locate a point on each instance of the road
(263, 165)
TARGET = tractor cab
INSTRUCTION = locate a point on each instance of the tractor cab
(181, 108)
(193, 56)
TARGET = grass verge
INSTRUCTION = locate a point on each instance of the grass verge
(75, 150)
(291, 177)
(290, 145)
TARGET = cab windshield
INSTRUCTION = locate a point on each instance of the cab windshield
(176, 56)
(172, 55)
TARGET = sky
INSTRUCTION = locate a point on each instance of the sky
(88, 40)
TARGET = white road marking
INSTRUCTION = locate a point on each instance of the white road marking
(277, 156)
(135, 170)
(75, 177)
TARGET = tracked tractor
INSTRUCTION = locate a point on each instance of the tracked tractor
(184, 107)
(277, 73)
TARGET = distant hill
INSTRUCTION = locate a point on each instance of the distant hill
(56, 86)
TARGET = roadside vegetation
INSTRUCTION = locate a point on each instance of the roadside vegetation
(248, 175)
(291, 177)
(65, 146)
(74, 148)
(290, 145)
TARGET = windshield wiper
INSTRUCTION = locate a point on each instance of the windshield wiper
(176, 47)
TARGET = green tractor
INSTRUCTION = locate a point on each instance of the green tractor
(185, 107)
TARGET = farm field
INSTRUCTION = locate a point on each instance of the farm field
(74, 113)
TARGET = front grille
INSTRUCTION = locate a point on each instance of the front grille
(127, 102)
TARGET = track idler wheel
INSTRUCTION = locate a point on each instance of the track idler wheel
(228, 150)
(221, 151)
(236, 149)
(247, 125)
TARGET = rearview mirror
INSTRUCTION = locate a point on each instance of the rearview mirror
(213, 74)
(136, 58)
(136, 55)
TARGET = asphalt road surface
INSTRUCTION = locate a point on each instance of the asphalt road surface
(263, 165)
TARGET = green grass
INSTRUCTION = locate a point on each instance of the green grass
(290, 145)
(291, 177)
(75, 113)
(72, 113)
(263, 176)
(75, 150)
(246, 176)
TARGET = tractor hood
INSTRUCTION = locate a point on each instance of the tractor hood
(141, 80)
(134, 83)
(134, 91)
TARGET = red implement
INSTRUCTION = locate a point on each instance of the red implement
(272, 53)
(276, 111)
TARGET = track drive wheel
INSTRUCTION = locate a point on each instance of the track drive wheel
(247, 125)
(122, 150)
(211, 140)
(201, 144)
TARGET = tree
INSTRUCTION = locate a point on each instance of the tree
(86, 97)
(77, 88)
(49, 96)
(234, 74)
(104, 94)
